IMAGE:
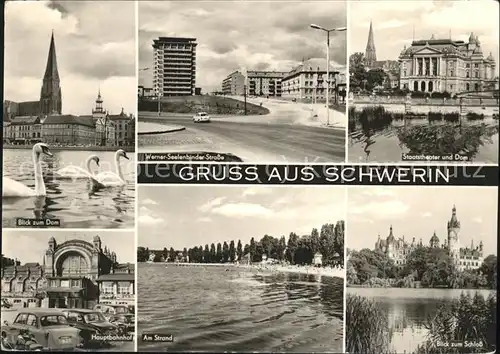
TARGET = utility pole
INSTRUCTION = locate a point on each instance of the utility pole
(245, 96)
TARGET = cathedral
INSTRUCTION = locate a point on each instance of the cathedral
(50, 102)
(398, 249)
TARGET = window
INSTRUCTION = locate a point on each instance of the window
(31, 320)
(467, 74)
(476, 74)
(476, 65)
(21, 318)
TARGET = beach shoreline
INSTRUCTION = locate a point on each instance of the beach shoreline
(322, 271)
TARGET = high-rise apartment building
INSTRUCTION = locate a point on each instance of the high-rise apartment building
(234, 84)
(174, 66)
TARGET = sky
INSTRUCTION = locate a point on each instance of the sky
(14, 243)
(95, 47)
(187, 216)
(234, 35)
(393, 25)
(419, 211)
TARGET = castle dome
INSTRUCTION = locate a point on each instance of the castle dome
(390, 238)
(97, 238)
(490, 57)
(434, 238)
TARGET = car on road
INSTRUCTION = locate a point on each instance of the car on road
(90, 322)
(201, 117)
(48, 327)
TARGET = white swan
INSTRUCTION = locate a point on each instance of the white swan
(77, 171)
(12, 188)
(109, 178)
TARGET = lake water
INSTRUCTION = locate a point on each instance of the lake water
(210, 309)
(407, 311)
(70, 200)
(478, 140)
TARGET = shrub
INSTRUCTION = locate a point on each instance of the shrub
(451, 117)
(495, 116)
(435, 116)
(475, 116)
(367, 326)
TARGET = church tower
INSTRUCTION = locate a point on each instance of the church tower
(50, 96)
(453, 238)
(370, 52)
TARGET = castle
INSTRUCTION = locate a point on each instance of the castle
(464, 258)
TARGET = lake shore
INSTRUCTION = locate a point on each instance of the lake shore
(70, 148)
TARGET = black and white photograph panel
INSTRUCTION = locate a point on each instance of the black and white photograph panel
(69, 114)
(254, 269)
(421, 270)
(424, 82)
(243, 81)
(68, 291)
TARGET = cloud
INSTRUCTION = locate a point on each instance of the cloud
(380, 210)
(211, 204)
(426, 214)
(229, 34)
(240, 210)
(204, 219)
(251, 191)
(148, 201)
(94, 50)
(148, 217)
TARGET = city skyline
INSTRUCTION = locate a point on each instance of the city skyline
(372, 211)
(94, 51)
(230, 35)
(395, 26)
(187, 216)
(14, 243)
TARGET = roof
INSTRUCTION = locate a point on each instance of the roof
(40, 311)
(87, 121)
(25, 120)
(81, 310)
(117, 277)
(272, 74)
(312, 65)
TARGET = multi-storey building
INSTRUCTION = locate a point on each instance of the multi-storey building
(464, 257)
(117, 287)
(234, 84)
(124, 128)
(174, 66)
(25, 130)
(23, 285)
(265, 83)
(69, 130)
(446, 65)
(308, 81)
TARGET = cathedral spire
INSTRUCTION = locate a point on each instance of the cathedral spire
(50, 95)
(370, 52)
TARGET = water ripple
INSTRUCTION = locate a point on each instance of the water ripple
(208, 310)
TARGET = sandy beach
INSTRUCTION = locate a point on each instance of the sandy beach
(323, 271)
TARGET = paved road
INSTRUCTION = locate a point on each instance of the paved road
(257, 139)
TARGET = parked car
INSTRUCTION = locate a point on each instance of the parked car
(48, 327)
(90, 322)
(120, 315)
(201, 117)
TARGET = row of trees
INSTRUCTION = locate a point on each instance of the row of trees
(432, 267)
(362, 79)
(329, 241)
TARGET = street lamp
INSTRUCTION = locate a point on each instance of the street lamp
(328, 31)
(157, 93)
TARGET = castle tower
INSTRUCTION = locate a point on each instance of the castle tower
(453, 235)
(370, 52)
(98, 104)
(50, 95)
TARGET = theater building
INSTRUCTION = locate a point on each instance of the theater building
(439, 65)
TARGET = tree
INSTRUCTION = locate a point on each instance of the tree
(164, 254)
(218, 253)
(374, 78)
(267, 245)
(225, 252)
(281, 248)
(172, 255)
(327, 243)
(239, 250)
(206, 254)
(252, 248)
(142, 256)
(213, 254)
(185, 253)
(293, 241)
(339, 240)
(314, 241)
(357, 71)
(232, 251)
(489, 270)
(351, 274)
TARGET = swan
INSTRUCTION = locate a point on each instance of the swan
(77, 171)
(12, 188)
(108, 178)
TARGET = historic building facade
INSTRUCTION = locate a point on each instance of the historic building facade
(71, 276)
(439, 65)
(68, 130)
(124, 127)
(398, 249)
